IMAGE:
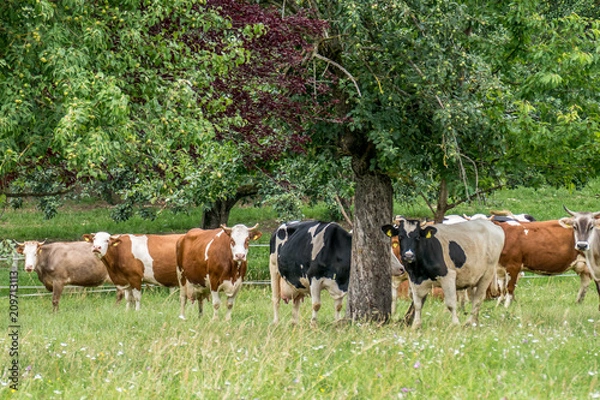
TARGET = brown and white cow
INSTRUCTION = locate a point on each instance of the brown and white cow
(543, 247)
(64, 263)
(213, 260)
(585, 227)
(133, 259)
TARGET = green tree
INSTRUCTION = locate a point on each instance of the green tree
(436, 92)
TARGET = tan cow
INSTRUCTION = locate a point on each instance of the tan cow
(585, 227)
(213, 260)
(64, 263)
(133, 259)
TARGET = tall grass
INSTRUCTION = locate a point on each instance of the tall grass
(544, 346)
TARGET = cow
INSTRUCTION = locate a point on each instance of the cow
(64, 263)
(460, 256)
(453, 219)
(541, 247)
(213, 260)
(310, 256)
(133, 259)
(305, 258)
(586, 239)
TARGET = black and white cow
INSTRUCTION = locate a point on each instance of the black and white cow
(585, 227)
(308, 257)
(460, 256)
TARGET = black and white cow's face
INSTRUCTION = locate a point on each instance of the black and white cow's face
(409, 234)
(583, 224)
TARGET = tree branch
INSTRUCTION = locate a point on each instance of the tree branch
(343, 211)
(36, 194)
(348, 74)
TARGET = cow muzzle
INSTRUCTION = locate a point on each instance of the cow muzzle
(582, 245)
(408, 257)
(29, 268)
(238, 257)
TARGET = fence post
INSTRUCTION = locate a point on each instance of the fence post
(15, 264)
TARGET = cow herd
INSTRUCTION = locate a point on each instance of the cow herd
(467, 257)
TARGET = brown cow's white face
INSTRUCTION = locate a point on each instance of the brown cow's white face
(240, 235)
(30, 251)
(101, 241)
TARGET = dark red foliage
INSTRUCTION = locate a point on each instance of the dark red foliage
(279, 111)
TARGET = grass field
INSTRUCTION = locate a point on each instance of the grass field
(544, 347)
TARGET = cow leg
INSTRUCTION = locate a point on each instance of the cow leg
(598, 289)
(448, 284)
(230, 302)
(216, 302)
(129, 300)
(137, 298)
(183, 300)
(395, 284)
(477, 297)
(120, 295)
(275, 287)
(315, 293)
(584, 283)
(502, 286)
(420, 293)
(512, 274)
(409, 316)
(296, 309)
(56, 293)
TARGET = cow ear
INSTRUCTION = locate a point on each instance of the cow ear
(428, 232)
(389, 230)
(115, 242)
(19, 249)
(88, 238)
(255, 235)
(566, 222)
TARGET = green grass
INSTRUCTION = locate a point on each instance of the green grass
(543, 347)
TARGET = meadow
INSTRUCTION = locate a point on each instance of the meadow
(543, 347)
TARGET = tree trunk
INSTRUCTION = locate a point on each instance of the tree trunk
(442, 202)
(219, 212)
(370, 289)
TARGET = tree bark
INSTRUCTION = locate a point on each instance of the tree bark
(370, 289)
(218, 213)
(442, 202)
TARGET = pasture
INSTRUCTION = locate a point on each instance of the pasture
(544, 347)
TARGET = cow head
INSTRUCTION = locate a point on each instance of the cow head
(101, 241)
(30, 250)
(239, 236)
(583, 224)
(409, 233)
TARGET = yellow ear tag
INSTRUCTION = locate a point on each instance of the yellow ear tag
(428, 236)
(389, 233)
(394, 245)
